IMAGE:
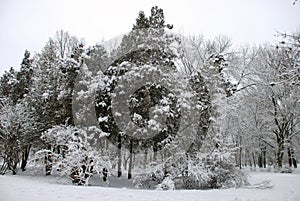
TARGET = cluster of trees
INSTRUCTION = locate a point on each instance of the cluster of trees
(262, 115)
(232, 107)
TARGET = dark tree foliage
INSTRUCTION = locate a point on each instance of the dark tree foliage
(156, 93)
(157, 18)
(24, 76)
(147, 44)
(99, 59)
(148, 31)
(203, 97)
(142, 22)
(69, 71)
(16, 84)
(143, 45)
(8, 82)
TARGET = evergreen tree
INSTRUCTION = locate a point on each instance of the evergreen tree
(16, 84)
(149, 33)
(53, 83)
(98, 59)
(15, 87)
(68, 71)
(146, 50)
(157, 19)
(142, 22)
(8, 84)
(45, 89)
(24, 76)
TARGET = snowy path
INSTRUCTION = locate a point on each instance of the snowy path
(25, 188)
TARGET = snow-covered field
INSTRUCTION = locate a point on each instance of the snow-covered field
(286, 187)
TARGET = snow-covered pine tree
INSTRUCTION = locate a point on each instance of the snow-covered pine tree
(142, 22)
(144, 52)
(98, 59)
(53, 83)
(139, 47)
(8, 84)
(16, 84)
(24, 76)
(69, 68)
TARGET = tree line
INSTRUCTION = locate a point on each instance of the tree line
(247, 99)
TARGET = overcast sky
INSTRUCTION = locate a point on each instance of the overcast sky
(28, 24)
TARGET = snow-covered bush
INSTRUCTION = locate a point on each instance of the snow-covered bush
(214, 170)
(166, 184)
(71, 154)
(151, 179)
(18, 130)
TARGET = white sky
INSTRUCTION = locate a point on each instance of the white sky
(28, 24)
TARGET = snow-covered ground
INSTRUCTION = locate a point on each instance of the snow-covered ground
(286, 187)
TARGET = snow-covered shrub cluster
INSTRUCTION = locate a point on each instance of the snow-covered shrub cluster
(151, 179)
(200, 171)
(17, 132)
(216, 170)
(70, 153)
(166, 184)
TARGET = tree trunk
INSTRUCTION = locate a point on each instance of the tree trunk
(3, 168)
(119, 156)
(145, 158)
(154, 153)
(25, 155)
(150, 158)
(250, 161)
(130, 162)
(254, 162)
(125, 161)
(48, 162)
(279, 155)
(240, 153)
(12, 159)
(295, 163)
(133, 163)
(264, 155)
(14, 169)
(246, 158)
(12, 164)
(105, 173)
(260, 160)
(291, 156)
